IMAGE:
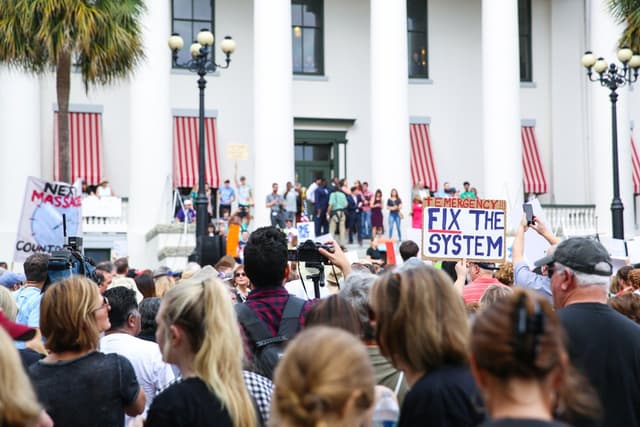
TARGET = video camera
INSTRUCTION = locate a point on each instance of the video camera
(69, 261)
(307, 252)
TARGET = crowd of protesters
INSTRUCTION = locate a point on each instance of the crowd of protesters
(247, 342)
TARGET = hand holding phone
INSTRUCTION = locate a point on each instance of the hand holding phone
(528, 210)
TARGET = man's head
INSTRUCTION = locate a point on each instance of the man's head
(124, 315)
(4, 265)
(466, 185)
(365, 186)
(243, 180)
(408, 249)
(274, 187)
(265, 257)
(481, 269)
(446, 186)
(122, 266)
(227, 183)
(35, 268)
(580, 269)
(289, 185)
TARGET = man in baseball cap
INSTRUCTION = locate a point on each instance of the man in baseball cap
(603, 344)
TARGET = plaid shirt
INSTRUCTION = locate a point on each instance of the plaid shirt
(260, 388)
(268, 304)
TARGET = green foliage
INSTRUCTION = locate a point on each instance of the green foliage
(102, 36)
(627, 12)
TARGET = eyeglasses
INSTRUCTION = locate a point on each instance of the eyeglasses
(550, 269)
(105, 304)
(239, 274)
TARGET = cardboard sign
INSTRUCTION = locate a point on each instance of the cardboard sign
(464, 228)
(238, 152)
(41, 223)
(305, 231)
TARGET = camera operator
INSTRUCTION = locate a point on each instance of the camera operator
(266, 265)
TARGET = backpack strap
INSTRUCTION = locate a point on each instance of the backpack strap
(289, 323)
(256, 328)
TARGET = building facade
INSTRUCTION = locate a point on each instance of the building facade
(387, 92)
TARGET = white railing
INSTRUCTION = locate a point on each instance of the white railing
(571, 220)
(104, 215)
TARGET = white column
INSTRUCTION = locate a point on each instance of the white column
(273, 128)
(20, 148)
(501, 104)
(390, 145)
(150, 137)
(602, 39)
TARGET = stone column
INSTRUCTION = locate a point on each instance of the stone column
(20, 147)
(501, 137)
(150, 137)
(390, 146)
(273, 144)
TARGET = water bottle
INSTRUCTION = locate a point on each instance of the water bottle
(386, 411)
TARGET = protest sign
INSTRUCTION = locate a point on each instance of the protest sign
(464, 228)
(237, 152)
(305, 231)
(41, 224)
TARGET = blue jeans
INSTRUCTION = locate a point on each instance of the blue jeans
(365, 224)
(394, 218)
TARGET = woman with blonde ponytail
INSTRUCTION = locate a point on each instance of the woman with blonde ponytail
(198, 332)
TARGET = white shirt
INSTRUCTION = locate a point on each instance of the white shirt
(153, 373)
(311, 192)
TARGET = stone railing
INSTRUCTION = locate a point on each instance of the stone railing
(571, 220)
(105, 215)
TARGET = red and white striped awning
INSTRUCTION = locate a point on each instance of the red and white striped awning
(635, 162)
(185, 152)
(534, 178)
(423, 166)
(85, 146)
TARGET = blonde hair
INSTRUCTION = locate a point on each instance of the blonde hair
(8, 303)
(18, 403)
(163, 284)
(318, 374)
(420, 319)
(202, 308)
(494, 293)
(66, 315)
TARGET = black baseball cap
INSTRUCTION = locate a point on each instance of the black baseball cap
(581, 254)
(486, 265)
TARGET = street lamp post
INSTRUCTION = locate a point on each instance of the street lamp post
(613, 77)
(201, 64)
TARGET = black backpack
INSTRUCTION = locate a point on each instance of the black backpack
(268, 348)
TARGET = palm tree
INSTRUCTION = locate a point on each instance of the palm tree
(102, 37)
(627, 12)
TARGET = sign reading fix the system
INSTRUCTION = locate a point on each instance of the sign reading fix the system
(464, 228)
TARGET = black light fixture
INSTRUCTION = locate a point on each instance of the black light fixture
(613, 76)
(201, 64)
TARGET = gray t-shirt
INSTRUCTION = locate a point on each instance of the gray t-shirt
(91, 390)
(278, 198)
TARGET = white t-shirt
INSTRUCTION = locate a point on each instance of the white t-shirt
(295, 288)
(152, 372)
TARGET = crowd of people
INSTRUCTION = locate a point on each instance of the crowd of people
(349, 213)
(465, 343)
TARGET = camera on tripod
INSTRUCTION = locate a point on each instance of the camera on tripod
(70, 260)
(307, 252)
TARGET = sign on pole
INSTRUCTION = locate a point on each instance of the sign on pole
(238, 152)
(474, 229)
(41, 225)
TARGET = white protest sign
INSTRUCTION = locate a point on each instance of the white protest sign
(41, 223)
(464, 228)
(237, 151)
(305, 231)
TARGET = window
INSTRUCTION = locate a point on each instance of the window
(307, 36)
(189, 17)
(524, 30)
(417, 39)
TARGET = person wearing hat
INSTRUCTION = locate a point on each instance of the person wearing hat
(104, 190)
(603, 344)
(481, 275)
(187, 213)
(11, 280)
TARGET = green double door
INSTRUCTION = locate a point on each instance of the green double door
(317, 155)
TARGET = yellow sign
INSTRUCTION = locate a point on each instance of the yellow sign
(238, 152)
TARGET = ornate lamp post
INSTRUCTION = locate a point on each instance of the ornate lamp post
(201, 64)
(613, 76)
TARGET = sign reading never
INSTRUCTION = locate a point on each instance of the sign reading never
(464, 228)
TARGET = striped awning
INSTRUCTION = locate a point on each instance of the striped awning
(185, 152)
(534, 178)
(635, 162)
(423, 166)
(85, 146)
